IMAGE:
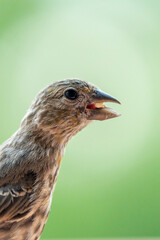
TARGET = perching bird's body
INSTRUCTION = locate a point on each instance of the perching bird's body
(30, 159)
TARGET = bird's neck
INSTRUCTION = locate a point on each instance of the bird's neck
(53, 127)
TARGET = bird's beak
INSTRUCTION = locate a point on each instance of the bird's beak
(96, 110)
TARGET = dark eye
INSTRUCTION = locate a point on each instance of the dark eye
(71, 94)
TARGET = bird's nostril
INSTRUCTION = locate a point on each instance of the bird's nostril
(95, 92)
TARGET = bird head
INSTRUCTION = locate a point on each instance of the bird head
(65, 107)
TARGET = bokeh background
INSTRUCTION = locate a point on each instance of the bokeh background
(109, 182)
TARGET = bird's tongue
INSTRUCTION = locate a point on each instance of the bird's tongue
(91, 106)
(95, 105)
(98, 111)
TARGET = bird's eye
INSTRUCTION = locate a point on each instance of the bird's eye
(71, 94)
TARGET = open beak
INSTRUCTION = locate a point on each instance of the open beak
(96, 110)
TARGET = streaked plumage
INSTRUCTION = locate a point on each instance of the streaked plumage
(30, 159)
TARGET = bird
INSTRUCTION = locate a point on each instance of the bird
(31, 158)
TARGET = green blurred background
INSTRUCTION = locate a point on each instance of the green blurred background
(109, 183)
